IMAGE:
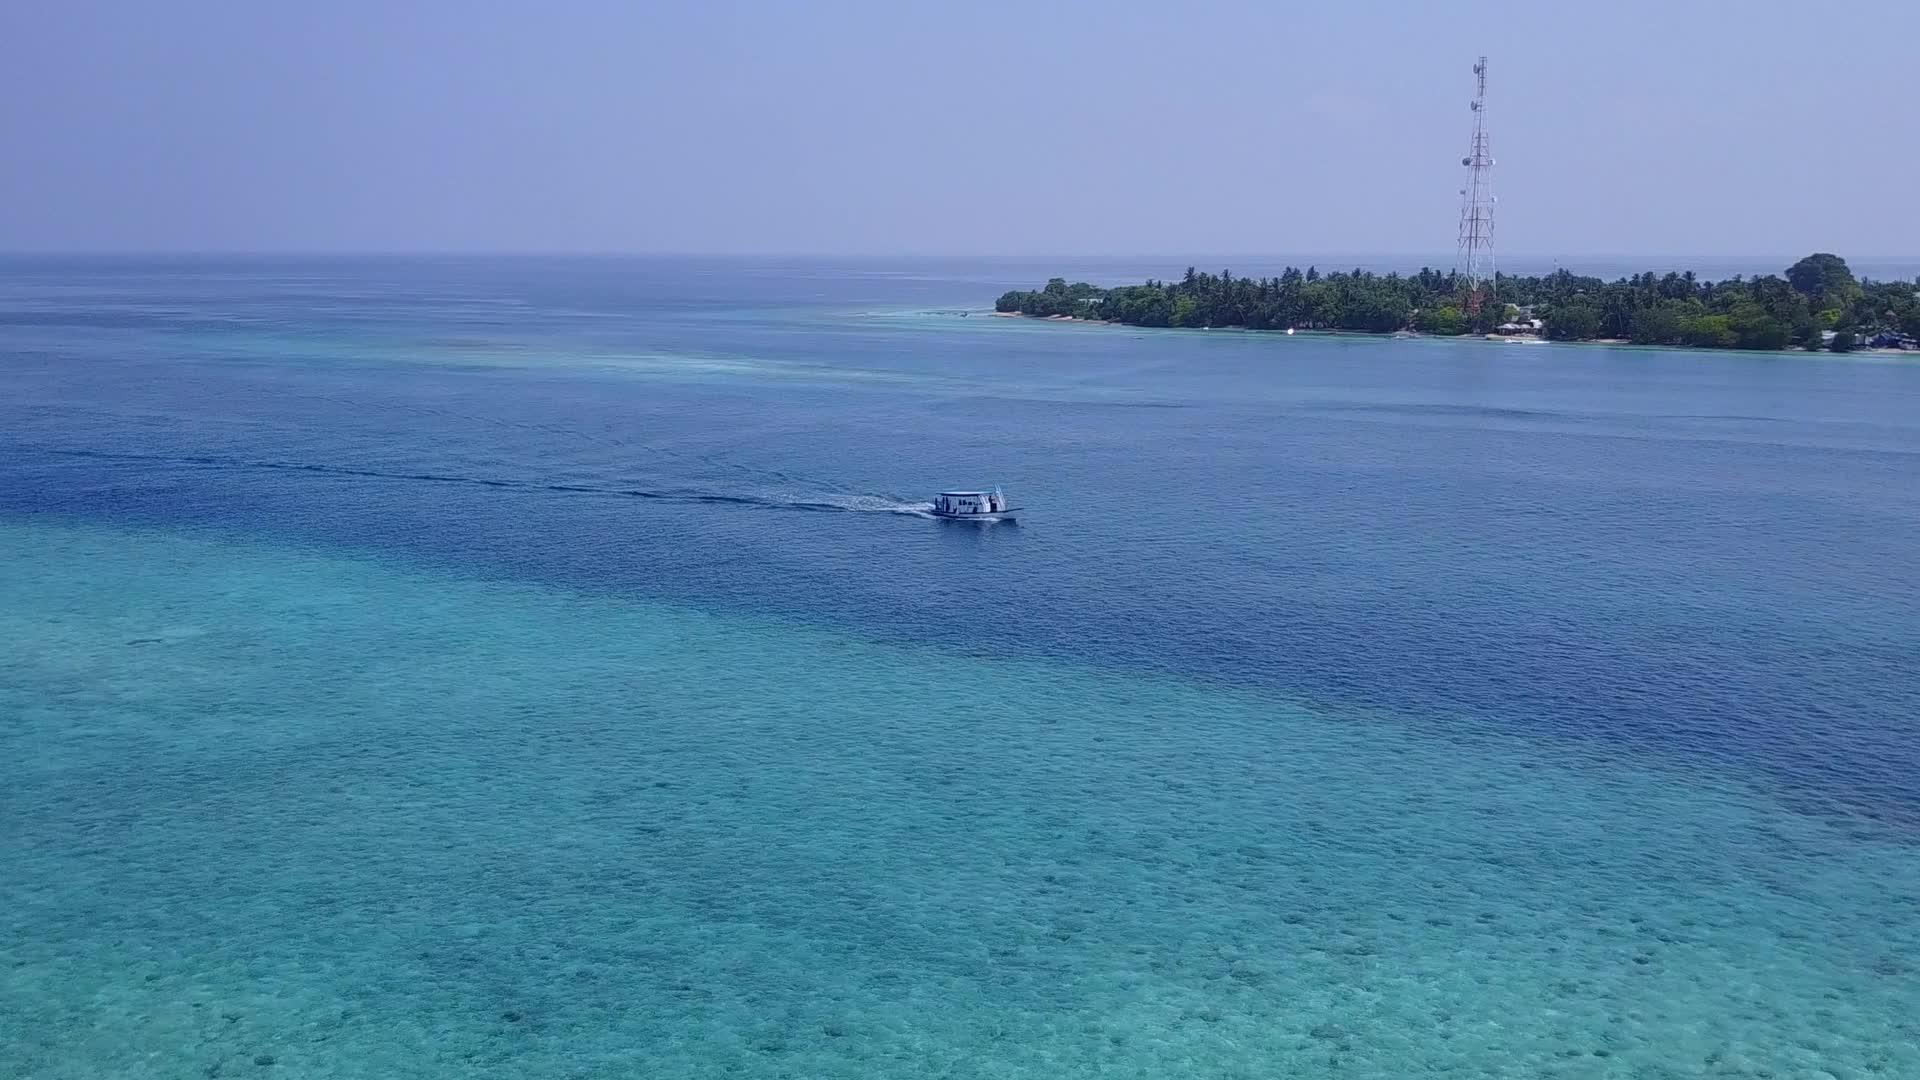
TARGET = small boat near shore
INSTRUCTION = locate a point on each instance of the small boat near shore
(972, 506)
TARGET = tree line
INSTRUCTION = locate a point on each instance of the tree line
(1818, 293)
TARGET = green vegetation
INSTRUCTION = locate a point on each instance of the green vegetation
(1059, 298)
(1818, 293)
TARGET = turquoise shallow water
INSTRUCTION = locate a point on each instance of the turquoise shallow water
(522, 667)
(371, 820)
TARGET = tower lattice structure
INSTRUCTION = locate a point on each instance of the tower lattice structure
(1474, 259)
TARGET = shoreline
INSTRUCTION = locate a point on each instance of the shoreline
(1518, 339)
(1065, 318)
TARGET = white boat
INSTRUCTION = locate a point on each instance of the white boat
(973, 506)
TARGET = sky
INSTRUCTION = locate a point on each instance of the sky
(853, 127)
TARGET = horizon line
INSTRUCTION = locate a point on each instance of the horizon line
(11, 253)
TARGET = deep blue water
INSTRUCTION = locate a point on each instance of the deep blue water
(541, 667)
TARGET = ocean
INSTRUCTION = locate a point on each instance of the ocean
(505, 667)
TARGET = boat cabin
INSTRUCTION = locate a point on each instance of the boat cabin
(969, 502)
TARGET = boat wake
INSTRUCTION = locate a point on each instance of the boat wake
(871, 504)
(818, 502)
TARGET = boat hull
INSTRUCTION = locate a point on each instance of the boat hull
(997, 515)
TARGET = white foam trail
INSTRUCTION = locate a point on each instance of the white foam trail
(865, 504)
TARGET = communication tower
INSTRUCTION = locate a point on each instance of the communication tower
(1474, 260)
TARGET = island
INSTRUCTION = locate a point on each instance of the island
(1817, 304)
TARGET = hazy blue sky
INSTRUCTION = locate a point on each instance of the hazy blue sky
(1268, 127)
